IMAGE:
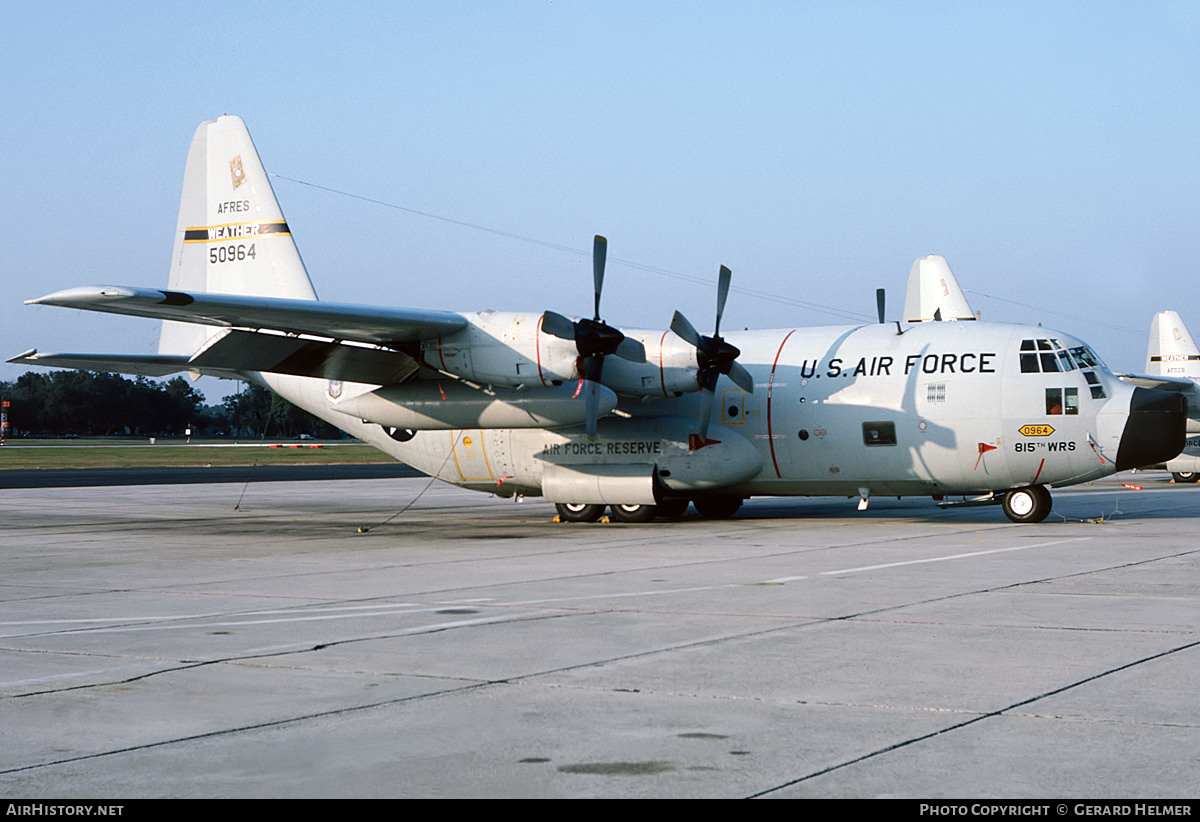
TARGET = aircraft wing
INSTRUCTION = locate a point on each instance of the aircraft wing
(338, 321)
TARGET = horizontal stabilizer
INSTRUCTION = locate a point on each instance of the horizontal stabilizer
(149, 365)
(245, 351)
(339, 321)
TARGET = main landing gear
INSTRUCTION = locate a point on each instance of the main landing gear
(708, 507)
(633, 513)
(1185, 476)
(578, 512)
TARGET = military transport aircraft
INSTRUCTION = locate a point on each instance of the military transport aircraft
(1173, 364)
(640, 421)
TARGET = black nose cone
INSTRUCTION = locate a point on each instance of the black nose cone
(1155, 429)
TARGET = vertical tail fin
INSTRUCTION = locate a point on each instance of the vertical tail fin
(1172, 352)
(231, 237)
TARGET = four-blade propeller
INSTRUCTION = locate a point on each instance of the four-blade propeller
(594, 339)
(714, 356)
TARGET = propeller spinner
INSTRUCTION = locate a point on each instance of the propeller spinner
(714, 355)
(594, 339)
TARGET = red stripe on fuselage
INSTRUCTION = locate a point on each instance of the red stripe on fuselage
(770, 388)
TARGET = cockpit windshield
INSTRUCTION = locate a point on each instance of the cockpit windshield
(1050, 355)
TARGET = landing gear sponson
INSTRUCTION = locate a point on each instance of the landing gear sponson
(720, 507)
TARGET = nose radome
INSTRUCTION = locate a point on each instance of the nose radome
(1155, 429)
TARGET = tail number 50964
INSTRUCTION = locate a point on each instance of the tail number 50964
(231, 253)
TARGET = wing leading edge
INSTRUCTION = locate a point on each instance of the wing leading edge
(338, 321)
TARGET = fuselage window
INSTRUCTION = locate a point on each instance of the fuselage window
(879, 433)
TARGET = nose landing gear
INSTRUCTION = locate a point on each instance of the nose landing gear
(1030, 504)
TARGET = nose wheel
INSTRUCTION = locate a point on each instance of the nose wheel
(1030, 504)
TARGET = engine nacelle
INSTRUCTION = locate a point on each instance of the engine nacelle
(511, 350)
(504, 349)
(669, 371)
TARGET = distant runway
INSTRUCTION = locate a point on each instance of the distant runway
(215, 641)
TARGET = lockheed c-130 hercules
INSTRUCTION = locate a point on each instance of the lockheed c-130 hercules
(643, 422)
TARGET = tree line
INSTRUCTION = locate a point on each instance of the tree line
(83, 403)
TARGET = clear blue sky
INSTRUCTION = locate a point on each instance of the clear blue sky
(1048, 150)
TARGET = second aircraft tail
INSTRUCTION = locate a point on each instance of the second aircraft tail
(1172, 352)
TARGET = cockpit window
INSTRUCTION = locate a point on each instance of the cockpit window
(1029, 360)
(1084, 356)
(1051, 356)
(1094, 384)
(1038, 356)
(1062, 401)
(1071, 400)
